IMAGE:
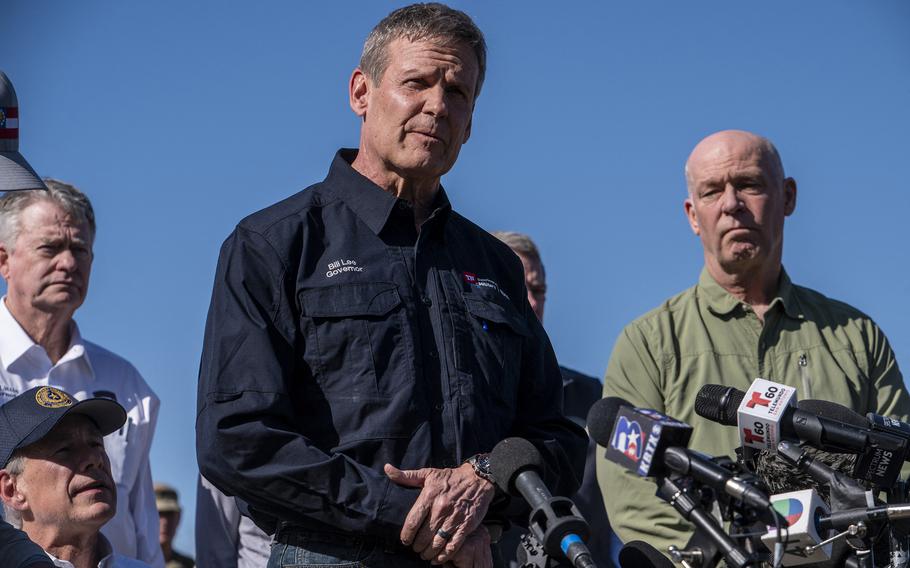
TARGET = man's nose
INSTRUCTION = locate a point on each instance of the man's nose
(731, 202)
(436, 103)
(66, 261)
(93, 457)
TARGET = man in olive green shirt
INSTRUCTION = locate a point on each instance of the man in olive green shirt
(744, 319)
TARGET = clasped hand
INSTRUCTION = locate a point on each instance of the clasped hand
(452, 502)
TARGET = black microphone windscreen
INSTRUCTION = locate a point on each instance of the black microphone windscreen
(601, 418)
(640, 554)
(511, 457)
(833, 411)
(718, 403)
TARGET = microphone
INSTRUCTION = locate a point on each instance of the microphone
(633, 436)
(601, 418)
(765, 415)
(845, 492)
(555, 521)
(889, 425)
(702, 469)
(640, 554)
(651, 444)
(802, 510)
(840, 520)
(779, 476)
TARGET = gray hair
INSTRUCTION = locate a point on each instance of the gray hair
(66, 196)
(520, 243)
(421, 22)
(14, 467)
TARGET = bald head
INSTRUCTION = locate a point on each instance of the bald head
(738, 199)
(726, 145)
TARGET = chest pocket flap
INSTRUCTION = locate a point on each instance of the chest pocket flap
(496, 309)
(344, 300)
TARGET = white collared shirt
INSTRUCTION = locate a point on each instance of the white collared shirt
(109, 559)
(86, 371)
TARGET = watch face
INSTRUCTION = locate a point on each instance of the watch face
(481, 464)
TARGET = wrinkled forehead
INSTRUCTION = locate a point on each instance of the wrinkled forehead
(732, 156)
(442, 51)
(45, 217)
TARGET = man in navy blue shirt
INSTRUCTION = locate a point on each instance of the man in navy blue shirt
(367, 347)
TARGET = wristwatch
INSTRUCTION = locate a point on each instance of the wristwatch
(481, 465)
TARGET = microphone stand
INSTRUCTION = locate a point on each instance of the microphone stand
(844, 492)
(710, 541)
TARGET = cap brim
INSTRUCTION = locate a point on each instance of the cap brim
(168, 506)
(107, 414)
(16, 174)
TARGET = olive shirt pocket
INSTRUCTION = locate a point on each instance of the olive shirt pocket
(355, 339)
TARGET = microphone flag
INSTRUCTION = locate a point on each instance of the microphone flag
(760, 413)
(802, 510)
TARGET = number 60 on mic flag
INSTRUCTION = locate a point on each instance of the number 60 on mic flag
(760, 414)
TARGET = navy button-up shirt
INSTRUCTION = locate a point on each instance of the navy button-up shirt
(340, 339)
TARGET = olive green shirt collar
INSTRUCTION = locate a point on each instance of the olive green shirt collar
(722, 303)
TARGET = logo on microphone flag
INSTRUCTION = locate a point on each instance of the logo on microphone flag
(628, 438)
(790, 509)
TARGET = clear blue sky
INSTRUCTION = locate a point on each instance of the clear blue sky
(180, 118)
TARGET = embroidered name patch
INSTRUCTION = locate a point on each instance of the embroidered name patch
(339, 266)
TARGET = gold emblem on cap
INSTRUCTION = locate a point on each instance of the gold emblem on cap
(49, 397)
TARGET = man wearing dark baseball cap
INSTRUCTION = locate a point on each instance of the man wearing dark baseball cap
(55, 481)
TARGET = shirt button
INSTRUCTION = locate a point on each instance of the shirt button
(448, 463)
(402, 205)
(426, 301)
(432, 353)
(438, 406)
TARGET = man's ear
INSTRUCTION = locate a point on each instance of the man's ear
(4, 261)
(358, 91)
(9, 491)
(689, 206)
(789, 196)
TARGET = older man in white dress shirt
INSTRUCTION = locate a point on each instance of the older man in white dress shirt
(46, 256)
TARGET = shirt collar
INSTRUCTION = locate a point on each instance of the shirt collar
(372, 204)
(721, 303)
(15, 342)
(107, 555)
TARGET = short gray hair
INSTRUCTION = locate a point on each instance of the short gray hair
(14, 467)
(70, 199)
(520, 243)
(421, 22)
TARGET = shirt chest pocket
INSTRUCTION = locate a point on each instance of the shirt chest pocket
(355, 339)
(496, 341)
(118, 446)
